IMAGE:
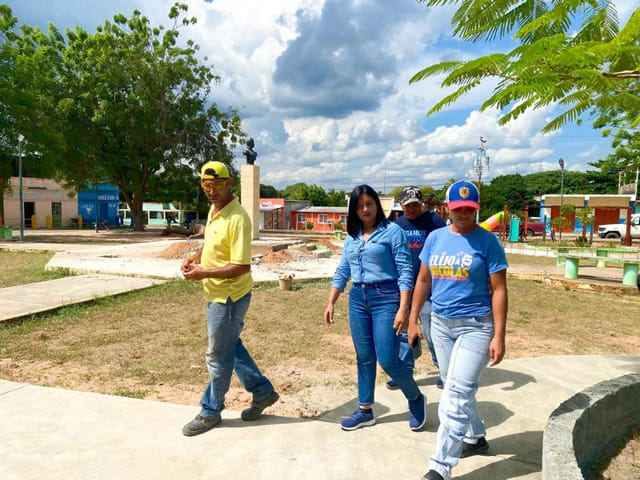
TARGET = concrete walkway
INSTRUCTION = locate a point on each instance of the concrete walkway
(25, 300)
(50, 433)
(113, 269)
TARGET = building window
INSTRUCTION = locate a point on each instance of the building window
(302, 218)
(343, 219)
(323, 218)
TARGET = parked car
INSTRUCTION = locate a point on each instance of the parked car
(533, 228)
(619, 230)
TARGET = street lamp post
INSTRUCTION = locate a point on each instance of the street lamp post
(20, 139)
(561, 163)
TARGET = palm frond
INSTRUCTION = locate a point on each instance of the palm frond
(630, 33)
(565, 118)
(452, 98)
(438, 68)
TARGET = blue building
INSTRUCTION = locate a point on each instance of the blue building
(99, 203)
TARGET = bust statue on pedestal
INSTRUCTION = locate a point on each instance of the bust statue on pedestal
(250, 153)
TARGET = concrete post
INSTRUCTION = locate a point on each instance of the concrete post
(250, 195)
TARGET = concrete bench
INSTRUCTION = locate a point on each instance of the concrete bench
(629, 266)
(562, 252)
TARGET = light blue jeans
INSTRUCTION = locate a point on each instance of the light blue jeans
(425, 319)
(371, 313)
(226, 354)
(462, 348)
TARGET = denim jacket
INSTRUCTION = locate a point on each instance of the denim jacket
(384, 256)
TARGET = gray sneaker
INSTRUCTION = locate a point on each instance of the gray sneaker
(257, 406)
(200, 425)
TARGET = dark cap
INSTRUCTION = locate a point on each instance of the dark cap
(410, 194)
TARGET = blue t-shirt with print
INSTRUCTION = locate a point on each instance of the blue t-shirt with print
(460, 265)
(417, 231)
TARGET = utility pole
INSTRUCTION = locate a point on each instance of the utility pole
(21, 200)
(479, 164)
(561, 163)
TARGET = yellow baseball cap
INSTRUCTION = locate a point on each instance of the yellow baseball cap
(214, 170)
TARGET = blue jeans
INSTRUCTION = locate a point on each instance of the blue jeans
(462, 347)
(371, 313)
(226, 354)
(406, 352)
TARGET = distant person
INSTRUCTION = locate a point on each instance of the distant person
(224, 267)
(377, 260)
(417, 223)
(465, 268)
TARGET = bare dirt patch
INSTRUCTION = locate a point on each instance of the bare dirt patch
(626, 464)
(179, 250)
(151, 344)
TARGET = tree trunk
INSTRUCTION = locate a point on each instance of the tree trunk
(3, 185)
(137, 215)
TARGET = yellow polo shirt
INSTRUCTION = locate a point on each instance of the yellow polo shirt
(227, 239)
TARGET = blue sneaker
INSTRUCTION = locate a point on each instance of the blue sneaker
(440, 383)
(359, 418)
(417, 413)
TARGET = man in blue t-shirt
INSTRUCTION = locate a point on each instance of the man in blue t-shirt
(418, 223)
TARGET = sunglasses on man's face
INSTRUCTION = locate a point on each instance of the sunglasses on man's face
(211, 185)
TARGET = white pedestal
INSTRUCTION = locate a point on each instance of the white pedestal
(250, 195)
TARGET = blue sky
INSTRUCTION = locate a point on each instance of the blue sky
(323, 88)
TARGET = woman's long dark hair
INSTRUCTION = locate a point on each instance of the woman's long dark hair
(354, 224)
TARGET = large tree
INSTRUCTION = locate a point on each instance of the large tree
(510, 190)
(337, 198)
(27, 76)
(130, 105)
(623, 163)
(570, 52)
(302, 191)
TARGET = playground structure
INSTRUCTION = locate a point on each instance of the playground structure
(492, 222)
(514, 230)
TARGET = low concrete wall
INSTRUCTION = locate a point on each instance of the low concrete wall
(589, 427)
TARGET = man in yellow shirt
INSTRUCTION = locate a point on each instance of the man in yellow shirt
(224, 267)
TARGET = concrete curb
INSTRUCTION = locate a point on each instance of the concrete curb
(587, 428)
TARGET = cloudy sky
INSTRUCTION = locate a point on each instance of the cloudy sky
(323, 88)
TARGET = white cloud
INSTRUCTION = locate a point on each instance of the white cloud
(323, 87)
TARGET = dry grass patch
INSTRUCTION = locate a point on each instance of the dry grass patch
(151, 344)
(19, 268)
(530, 260)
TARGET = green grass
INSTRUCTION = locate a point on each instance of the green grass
(19, 268)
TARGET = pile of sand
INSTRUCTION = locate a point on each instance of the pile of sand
(180, 250)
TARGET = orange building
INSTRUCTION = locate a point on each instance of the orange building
(319, 219)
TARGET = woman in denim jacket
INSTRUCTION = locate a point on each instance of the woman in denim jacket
(377, 259)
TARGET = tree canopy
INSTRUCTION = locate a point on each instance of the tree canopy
(129, 104)
(302, 191)
(570, 53)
